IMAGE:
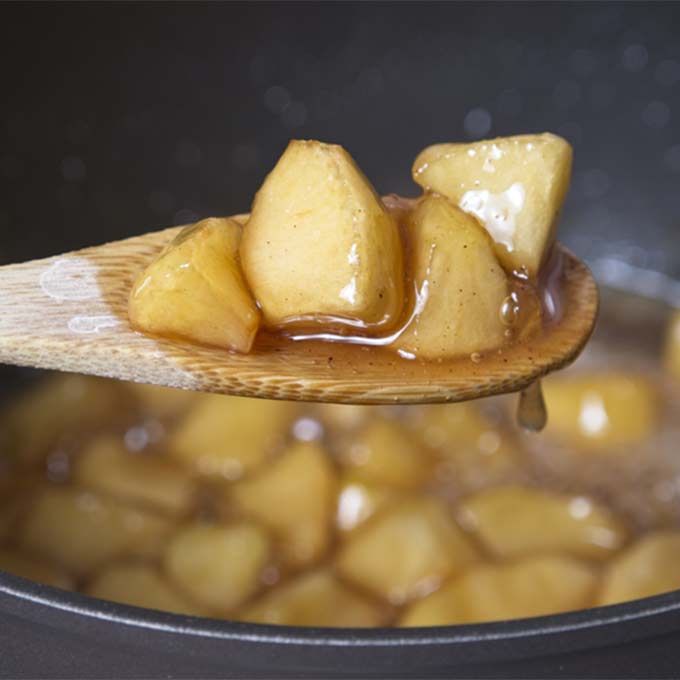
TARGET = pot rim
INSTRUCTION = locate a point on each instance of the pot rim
(32, 593)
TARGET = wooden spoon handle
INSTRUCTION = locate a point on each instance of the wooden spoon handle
(69, 313)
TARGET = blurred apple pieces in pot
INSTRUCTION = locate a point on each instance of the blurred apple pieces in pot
(602, 411)
(648, 567)
(331, 515)
(294, 497)
(219, 566)
(80, 530)
(406, 550)
(140, 585)
(150, 480)
(516, 521)
(227, 437)
(431, 277)
(316, 598)
(534, 586)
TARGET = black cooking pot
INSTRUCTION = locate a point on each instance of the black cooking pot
(49, 632)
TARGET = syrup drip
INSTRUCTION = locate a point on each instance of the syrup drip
(531, 412)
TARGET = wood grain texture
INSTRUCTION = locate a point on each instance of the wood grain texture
(69, 313)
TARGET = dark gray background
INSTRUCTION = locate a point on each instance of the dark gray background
(119, 118)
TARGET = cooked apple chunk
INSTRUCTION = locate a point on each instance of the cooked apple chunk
(195, 289)
(461, 285)
(224, 436)
(384, 452)
(218, 566)
(142, 586)
(515, 521)
(315, 599)
(320, 243)
(649, 567)
(80, 531)
(406, 550)
(106, 466)
(295, 498)
(531, 587)
(603, 412)
(515, 186)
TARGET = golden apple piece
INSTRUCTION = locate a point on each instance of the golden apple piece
(602, 411)
(81, 530)
(295, 498)
(514, 186)
(219, 566)
(467, 445)
(224, 436)
(140, 585)
(648, 567)
(536, 586)
(461, 285)
(672, 346)
(320, 243)
(144, 478)
(41, 418)
(385, 453)
(515, 521)
(162, 402)
(195, 289)
(316, 598)
(358, 500)
(20, 564)
(406, 551)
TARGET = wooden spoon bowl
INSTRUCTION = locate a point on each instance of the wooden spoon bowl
(69, 313)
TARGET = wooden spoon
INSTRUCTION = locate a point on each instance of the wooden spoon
(69, 313)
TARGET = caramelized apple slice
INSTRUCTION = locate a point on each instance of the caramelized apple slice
(295, 497)
(195, 290)
(315, 599)
(228, 437)
(531, 587)
(514, 521)
(80, 530)
(50, 412)
(649, 567)
(142, 586)
(385, 453)
(468, 445)
(406, 551)
(515, 186)
(319, 242)
(460, 282)
(601, 412)
(105, 465)
(218, 566)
